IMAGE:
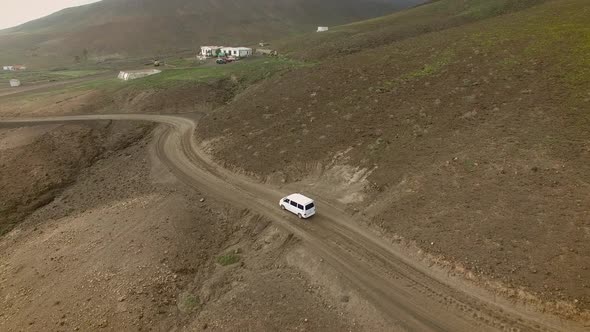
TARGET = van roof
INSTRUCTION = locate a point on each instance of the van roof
(300, 199)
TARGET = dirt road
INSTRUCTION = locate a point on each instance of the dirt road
(47, 86)
(413, 297)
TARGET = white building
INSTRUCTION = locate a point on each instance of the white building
(209, 51)
(128, 75)
(241, 52)
(323, 29)
(14, 83)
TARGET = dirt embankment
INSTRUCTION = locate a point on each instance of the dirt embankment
(188, 98)
(467, 142)
(37, 163)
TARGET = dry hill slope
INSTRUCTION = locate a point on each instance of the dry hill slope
(467, 139)
(113, 28)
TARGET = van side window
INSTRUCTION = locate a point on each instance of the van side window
(300, 206)
(294, 204)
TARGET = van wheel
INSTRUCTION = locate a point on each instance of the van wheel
(299, 215)
(282, 207)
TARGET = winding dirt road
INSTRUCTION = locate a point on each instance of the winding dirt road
(412, 297)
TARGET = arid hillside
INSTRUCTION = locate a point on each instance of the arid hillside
(459, 126)
(38, 163)
(121, 28)
(117, 243)
(446, 147)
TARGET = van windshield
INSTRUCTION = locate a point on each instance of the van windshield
(309, 206)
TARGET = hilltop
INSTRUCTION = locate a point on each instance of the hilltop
(127, 28)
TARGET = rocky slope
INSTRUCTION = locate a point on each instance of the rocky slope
(467, 139)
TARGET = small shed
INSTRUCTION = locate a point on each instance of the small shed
(322, 29)
(127, 75)
(14, 83)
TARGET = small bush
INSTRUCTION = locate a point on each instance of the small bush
(228, 259)
(188, 302)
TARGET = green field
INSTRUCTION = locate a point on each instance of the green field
(244, 71)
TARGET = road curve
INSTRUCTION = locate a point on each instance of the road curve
(408, 295)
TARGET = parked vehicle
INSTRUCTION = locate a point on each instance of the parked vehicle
(303, 207)
(220, 61)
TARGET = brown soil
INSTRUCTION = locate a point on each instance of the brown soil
(140, 251)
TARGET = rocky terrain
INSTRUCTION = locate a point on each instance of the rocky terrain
(37, 163)
(468, 141)
(142, 251)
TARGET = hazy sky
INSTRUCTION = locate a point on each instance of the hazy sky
(15, 12)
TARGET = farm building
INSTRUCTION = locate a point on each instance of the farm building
(128, 75)
(14, 83)
(210, 51)
(242, 52)
(323, 29)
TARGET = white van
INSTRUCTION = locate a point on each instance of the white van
(303, 207)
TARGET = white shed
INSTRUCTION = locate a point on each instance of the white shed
(209, 51)
(322, 29)
(128, 75)
(14, 83)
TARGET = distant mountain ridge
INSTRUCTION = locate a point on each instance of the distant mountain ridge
(145, 27)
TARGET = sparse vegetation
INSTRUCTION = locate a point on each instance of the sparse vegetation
(188, 302)
(228, 259)
(436, 16)
(439, 62)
